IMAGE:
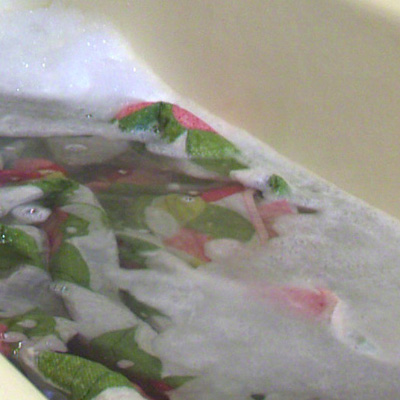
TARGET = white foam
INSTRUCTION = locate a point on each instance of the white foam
(238, 344)
(64, 73)
(61, 54)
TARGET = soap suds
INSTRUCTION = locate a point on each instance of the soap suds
(64, 73)
(239, 346)
(60, 54)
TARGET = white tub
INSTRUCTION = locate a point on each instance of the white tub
(319, 80)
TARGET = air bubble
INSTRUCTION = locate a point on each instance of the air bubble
(188, 199)
(76, 148)
(31, 214)
(59, 288)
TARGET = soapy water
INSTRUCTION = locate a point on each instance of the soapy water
(166, 282)
(180, 291)
(223, 323)
(247, 322)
